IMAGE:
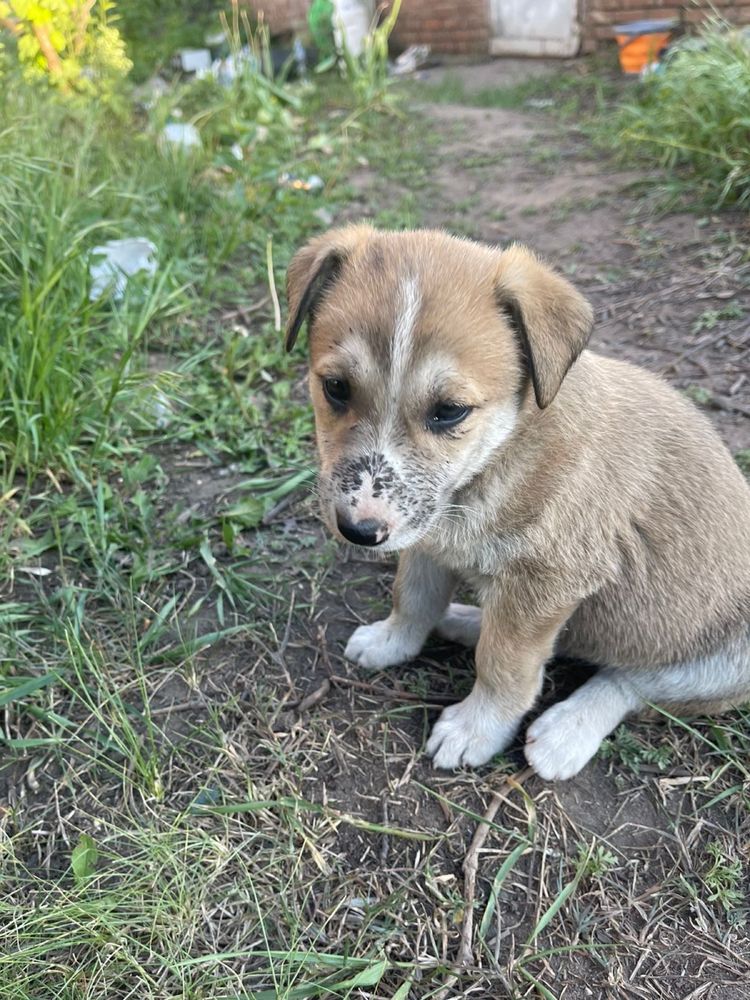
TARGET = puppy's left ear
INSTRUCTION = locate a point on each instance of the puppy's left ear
(550, 318)
(313, 270)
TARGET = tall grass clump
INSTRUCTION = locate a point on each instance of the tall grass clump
(694, 113)
(77, 174)
(367, 73)
(62, 352)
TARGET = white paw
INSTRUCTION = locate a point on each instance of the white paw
(383, 644)
(470, 733)
(461, 623)
(560, 742)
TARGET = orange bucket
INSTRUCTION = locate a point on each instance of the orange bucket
(642, 42)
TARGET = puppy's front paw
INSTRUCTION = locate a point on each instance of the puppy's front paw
(470, 733)
(383, 644)
(560, 742)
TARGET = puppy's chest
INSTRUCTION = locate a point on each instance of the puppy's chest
(473, 552)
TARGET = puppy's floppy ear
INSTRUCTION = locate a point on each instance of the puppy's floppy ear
(550, 318)
(313, 270)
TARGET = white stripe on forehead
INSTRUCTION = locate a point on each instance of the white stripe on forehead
(409, 305)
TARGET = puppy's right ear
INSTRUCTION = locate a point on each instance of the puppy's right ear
(312, 271)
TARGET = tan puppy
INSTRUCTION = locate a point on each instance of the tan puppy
(592, 509)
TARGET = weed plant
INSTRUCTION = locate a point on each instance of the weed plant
(694, 113)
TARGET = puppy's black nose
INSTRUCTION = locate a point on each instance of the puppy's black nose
(369, 532)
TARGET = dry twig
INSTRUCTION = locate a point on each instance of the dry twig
(471, 863)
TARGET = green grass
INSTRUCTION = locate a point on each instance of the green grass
(70, 374)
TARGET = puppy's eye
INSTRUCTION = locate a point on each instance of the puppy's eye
(337, 392)
(447, 415)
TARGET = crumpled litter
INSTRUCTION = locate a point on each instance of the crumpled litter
(120, 260)
(227, 70)
(195, 60)
(312, 183)
(410, 60)
(181, 135)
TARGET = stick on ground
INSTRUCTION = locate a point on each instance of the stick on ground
(471, 863)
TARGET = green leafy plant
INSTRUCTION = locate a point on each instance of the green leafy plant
(596, 860)
(367, 73)
(73, 44)
(723, 878)
(83, 859)
(626, 747)
(693, 112)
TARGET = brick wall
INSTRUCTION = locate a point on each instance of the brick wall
(598, 16)
(281, 15)
(459, 26)
(462, 26)
(449, 26)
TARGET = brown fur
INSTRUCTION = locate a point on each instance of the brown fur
(611, 524)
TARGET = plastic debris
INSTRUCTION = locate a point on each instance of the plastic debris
(320, 23)
(161, 410)
(215, 39)
(312, 183)
(195, 60)
(120, 260)
(300, 58)
(324, 215)
(181, 136)
(411, 60)
(540, 102)
(650, 69)
(227, 70)
(351, 24)
(151, 91)
(643, 42)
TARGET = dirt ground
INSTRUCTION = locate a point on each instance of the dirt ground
(625, 882)
(672, 293)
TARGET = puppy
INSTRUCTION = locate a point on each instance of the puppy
(594, 512)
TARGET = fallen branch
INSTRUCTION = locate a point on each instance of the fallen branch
(471, 864)
(394, 694)
(726, 403)
(10, 25)
(312, 699)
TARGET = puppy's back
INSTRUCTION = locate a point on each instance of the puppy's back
(675, 508)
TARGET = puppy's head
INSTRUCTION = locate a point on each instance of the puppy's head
(422, 348)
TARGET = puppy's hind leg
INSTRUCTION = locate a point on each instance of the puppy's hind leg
(461, 623)
(420, 596)
(565, 737)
